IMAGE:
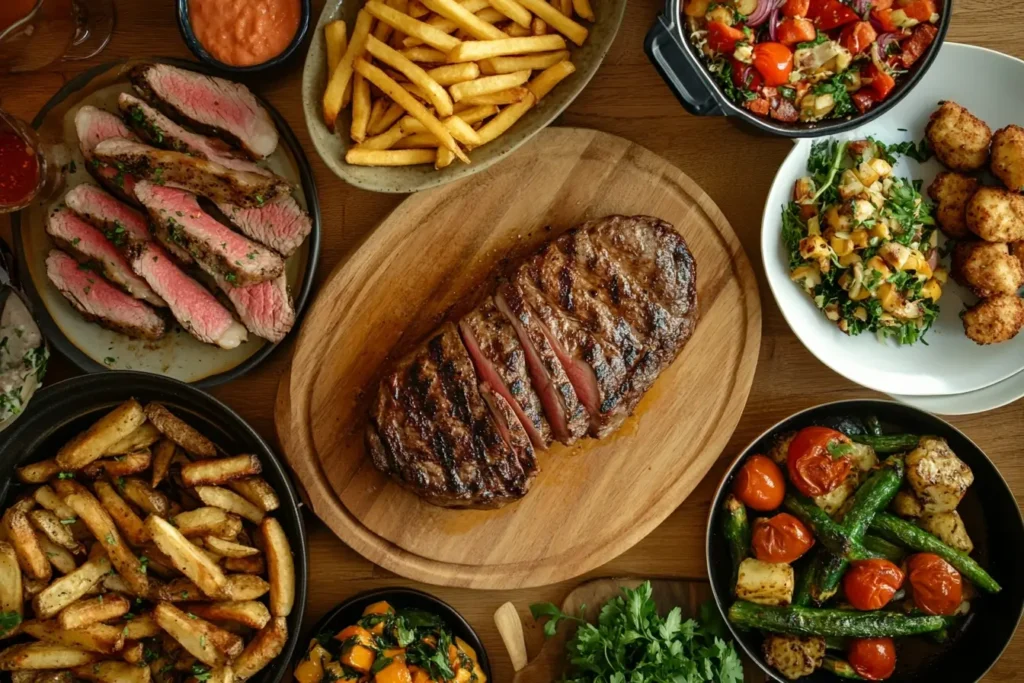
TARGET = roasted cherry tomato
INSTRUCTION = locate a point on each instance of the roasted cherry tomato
(723, 38)
(816, 462)
(745, 76)
(830, 14)
(882, 82)
(759, 484)
(870, 584)
(793, 31)
(858, 37)
(922, 10)
(782, 538)
(796, 8)
(774, 61)
(934, 584)
(872, 658)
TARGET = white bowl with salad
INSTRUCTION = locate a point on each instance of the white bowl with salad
(892, 329)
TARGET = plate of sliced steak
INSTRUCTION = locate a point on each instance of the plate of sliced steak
(599, 327)
(189, 195)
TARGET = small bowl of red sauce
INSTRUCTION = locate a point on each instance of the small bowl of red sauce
(243, 36)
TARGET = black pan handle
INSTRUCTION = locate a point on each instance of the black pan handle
(678, 71)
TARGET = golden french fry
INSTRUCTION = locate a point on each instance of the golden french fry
(84, 613)
(143, 437)
(538, 27)
(187, 558)
(337, 40)
(442, 24)
(229, 501)
(491, 16)
(505, 118)
(101, 638)
(11, 597)
(257, 491)
(227, 548)
(249, 613)
(449, 74)
(419, 54)
(47, 498)
(488, 85)
(377, 109)
(517, 31)
(474, 50)
(144, 496)
(437, 95)
(44, 656)
(583, 9)
(69, 588)
(124, 517)
(360, 106)
(26, 545)
(514, 11)
(38, 472)
(420, 141)
(140, 626)
(58, 556)
(417, 10)
(557, 20)
(133, 652)
(180, 432)
(456, 125)
(504, 65)
(241, 587)
(178, 590)
(264, 647)
(119, 465)
(510, 96)
(411, 105)
(542, 84)
(103, 529)
(444, 158)
(220, 470)
(466, 20)
(280, 567)
(207, 521)
(108, 430)
(389, 157)
(342, 75)
(411, 27)
(163, 453)
(209, 644)
(565, 7)
(478, 113)
(387, 119)
(246, 565)
(51, 527)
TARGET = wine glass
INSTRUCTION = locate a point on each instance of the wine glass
(31, 169)
(37, 33)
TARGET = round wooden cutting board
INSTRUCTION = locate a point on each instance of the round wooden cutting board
(433, 258)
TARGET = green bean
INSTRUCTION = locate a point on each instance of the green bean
(832, 534)
(840, 667)
(888, 443)
(889, 551)
(873, 425)
(808, 621)
(736, 527)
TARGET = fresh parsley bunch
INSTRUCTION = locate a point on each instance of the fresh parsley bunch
(631, 643)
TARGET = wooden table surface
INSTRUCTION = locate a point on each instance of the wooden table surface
(733, 164)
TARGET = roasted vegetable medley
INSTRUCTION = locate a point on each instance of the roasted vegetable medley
(862, 242)
(808, 60)
(842, 542)
(391, 646)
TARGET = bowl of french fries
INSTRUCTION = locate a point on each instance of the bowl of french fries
(147, 534)
(404, 95)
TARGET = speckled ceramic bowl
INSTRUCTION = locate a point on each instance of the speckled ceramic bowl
(332, 146)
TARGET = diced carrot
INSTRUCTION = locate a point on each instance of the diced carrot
(381, 607)
(395, 672)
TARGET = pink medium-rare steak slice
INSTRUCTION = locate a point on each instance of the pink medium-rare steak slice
(281, 224)
(265, 309)
(78, 237)
(93, 126)
(179, 220)
(119, 223)
(500, 361)
(198, 176)
(99, 301)
(160, 131)
(211, 105)
(191, 304)
(433, 432)
(562, 406)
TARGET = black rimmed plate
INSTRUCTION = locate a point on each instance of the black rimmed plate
(989, 511)
(177, 354)
(62, 410)
(351, 610)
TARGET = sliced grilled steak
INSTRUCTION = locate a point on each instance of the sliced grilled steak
(433, 433)
(99, 301)
(210, 105)
(76, 236)
(192, 305)
(565, 413)
(265, 309)
(160, 131)
(179, 220)
(281, 224)
(500, 361)
(93, 126)
(119, 223)
(198, 176)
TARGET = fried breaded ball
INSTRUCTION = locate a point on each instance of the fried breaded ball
(951, 192)
(987, 268)
(996, 215)
(994, 320)
(959, 139)
(1008, 157)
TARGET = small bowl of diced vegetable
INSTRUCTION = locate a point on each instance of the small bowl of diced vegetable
(393, 635)
(867, 540)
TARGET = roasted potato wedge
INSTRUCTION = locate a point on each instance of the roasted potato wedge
(209, 644)
(226, 548)
(38, 472)
(101, 638)
(70, 587)
(163, 453)
(280, 567)
(124, 517)
(44, 656)
(242, 587)
(180, 432)
(119, 465)
(230, 501)
(94, 610)
(247, 612)
(208, 521)
(144, 496)
(93, 443)
(187, 558)
(58, 556)
(145, 436)
(219, 471)
(113, 672)
(268, 644)
(22, 536)
(257, 491)
(103, 528)
(51, 526)
(11, 595)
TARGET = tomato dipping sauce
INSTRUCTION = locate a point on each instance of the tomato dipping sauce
(19, 169)
(244, 32)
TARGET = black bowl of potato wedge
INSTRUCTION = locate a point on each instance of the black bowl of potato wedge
(867, 540)
(150, 534)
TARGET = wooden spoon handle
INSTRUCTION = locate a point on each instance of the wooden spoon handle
(511, 629)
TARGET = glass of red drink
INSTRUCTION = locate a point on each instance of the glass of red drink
(30, 170)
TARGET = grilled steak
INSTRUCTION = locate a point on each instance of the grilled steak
(265, 309)
(219, 250)
(99, 301)
(500, 362)
(192, 305)
(198, 176)
(433, 432)
(210, 105)
(119, 223)
(93, 126)
(160, 131)
(281, 224)
(87, 243)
